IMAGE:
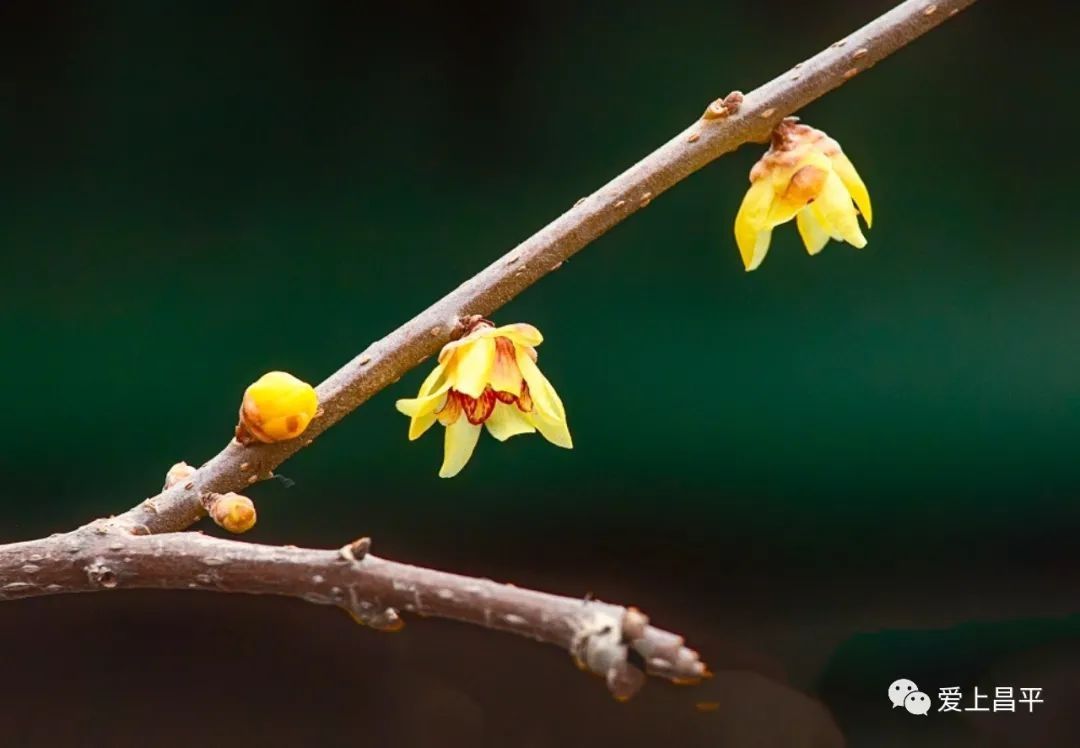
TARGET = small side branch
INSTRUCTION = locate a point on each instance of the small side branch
(612, 641)
(724, 126)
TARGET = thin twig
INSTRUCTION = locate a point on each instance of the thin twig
(600, 636)
(720, 130)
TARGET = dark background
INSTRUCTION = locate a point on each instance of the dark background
(828, 474)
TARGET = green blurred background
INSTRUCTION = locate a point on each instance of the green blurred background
(829, 474)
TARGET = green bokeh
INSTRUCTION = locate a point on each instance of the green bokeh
(192, 194)
(194, 203)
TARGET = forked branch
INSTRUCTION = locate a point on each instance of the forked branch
(614, 642)
(131, 551)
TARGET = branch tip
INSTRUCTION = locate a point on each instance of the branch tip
(623, 650)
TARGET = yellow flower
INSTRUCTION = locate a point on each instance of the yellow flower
(804, 175)
(487, 378)
(278, 406)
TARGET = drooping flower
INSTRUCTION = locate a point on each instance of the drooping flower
(804, 175)
(487, 378)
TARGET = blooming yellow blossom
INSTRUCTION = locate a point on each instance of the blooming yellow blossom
(804, 175)
(487, 378)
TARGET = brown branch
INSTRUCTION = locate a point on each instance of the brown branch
(141, 547)
(605, 639)
(721, 129)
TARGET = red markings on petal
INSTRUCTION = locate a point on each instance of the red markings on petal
(524, 400)
(504, 351)
(478, 409)
(505, 375)
(451, 409)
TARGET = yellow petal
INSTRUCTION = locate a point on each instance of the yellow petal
(836, 213)
(505, 375)
(752, 232)
(853, 182)
(802, 188)
(422, 412)
(451, 348)
(519, 333)
(451, 409)
(434, 381)
(506, 421)
(460, 441)
(813, 235)
(457, 346)
(415, 406)
(554, 430)
(420, 424)
(544, 397)
(471, 366)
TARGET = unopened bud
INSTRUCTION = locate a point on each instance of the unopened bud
(276, 407)
(387, 620)
(232, 511)
(178, 473)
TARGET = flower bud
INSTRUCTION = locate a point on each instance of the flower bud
(231, 511)
(277, 407)
(178, 473)
(387, 620)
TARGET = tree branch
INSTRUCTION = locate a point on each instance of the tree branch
(720, 130)
(142, 548)
(609, 640)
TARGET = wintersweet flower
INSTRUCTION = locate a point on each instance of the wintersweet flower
(804, 175)
(487, 378)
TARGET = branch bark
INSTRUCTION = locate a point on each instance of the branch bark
(712, 135)
(143, 548)
(614, 642)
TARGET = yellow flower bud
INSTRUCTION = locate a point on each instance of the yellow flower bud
(231, 511)
(276, 407)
